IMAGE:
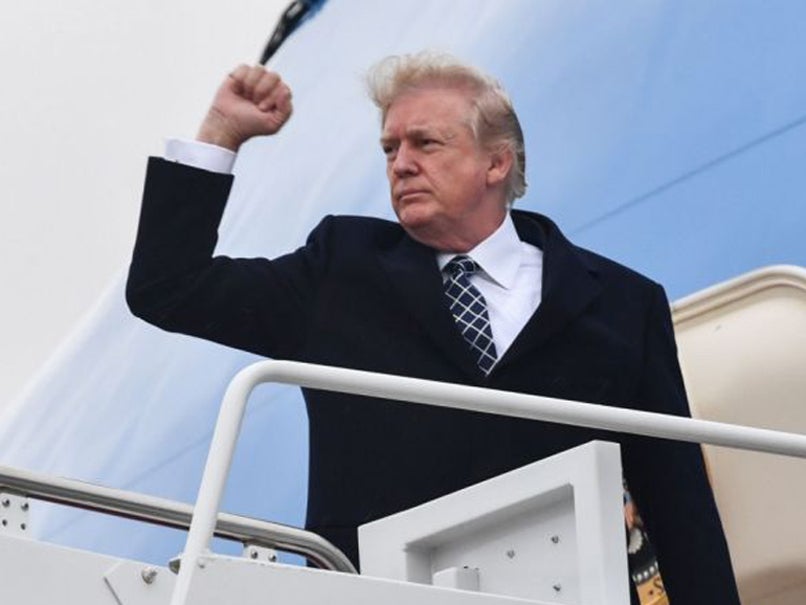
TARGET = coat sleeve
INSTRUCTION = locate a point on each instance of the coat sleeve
(177, 284)
(669, 482)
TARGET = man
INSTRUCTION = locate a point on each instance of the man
(459, 290)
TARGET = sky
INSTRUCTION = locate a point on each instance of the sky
(91, 88)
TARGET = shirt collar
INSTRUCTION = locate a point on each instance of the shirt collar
(499, 256)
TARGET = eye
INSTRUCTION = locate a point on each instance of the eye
(389, 150)
(429, 142)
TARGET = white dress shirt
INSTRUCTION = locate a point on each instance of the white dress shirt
(200, 155)
(511, 275)
(510, 279)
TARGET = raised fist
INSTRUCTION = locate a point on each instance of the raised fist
(250, 102)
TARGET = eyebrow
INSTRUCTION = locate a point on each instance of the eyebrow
(419, 131)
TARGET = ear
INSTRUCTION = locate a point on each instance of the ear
(501, 162)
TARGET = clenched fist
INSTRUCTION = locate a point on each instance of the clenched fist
(250, 102)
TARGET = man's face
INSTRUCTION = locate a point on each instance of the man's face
(445, 187)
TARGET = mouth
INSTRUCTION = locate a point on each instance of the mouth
(409, 194)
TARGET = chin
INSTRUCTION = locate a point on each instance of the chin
(411, 217)
(415, 226)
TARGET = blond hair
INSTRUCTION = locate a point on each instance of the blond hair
(493, 122)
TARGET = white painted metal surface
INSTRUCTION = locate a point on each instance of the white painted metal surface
(555, 525)
(38, 573)
(229, 580)
(133, 583)
(552, 531)
(439, 394)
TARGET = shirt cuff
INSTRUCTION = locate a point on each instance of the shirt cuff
(200, 155)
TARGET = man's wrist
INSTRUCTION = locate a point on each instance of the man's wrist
(212, 135)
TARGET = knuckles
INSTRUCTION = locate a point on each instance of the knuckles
(264, 90)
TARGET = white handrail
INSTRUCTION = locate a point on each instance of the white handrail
(443, 395)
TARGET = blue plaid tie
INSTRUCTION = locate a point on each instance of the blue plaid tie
(469, 311)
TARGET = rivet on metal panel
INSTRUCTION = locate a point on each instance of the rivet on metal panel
(260, 553)
(14, 519)
(149, 574)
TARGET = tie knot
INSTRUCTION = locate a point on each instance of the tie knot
(461, 264)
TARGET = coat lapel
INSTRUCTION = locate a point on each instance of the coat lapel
(569, 284)
(412, 270)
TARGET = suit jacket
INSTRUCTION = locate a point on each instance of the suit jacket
(362, 294)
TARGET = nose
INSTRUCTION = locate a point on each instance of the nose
(404, 162)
